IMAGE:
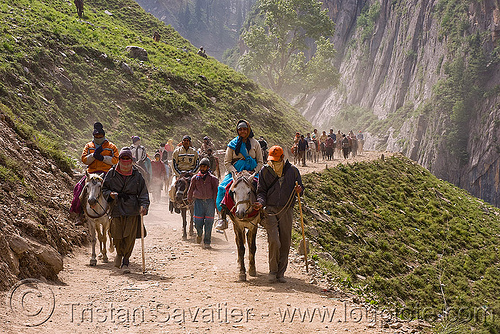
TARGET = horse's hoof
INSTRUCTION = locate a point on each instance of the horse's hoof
(252, 272)
(242, 277)
(93, 262)
(191, 233)
(184, 237)
(99, 256)
(105, 260)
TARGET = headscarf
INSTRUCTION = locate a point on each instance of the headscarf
(277, 166)
(124, 152)
(240, 140)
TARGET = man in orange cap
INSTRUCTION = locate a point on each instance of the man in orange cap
(277, 185)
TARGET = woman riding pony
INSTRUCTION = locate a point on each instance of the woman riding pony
(243, 153)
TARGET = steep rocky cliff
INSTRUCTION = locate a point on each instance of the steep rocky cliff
(213, 24)
(421, 77)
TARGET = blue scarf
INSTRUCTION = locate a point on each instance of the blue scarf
(248, 163)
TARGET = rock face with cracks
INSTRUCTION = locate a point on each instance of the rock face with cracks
(391, 64)
(35, 226)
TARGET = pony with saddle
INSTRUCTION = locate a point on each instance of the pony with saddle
(144, 172)
(181, 204)
(96, 210)
(238, 200)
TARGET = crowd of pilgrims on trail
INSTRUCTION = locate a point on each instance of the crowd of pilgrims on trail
(204, 183)
(314, 147)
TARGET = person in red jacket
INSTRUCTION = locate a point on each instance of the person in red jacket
(203, 189)
(159, 174)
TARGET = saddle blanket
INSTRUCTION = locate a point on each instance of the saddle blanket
(228, 201)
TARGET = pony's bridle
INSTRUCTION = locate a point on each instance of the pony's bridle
(184, 203)
(98, 215)
(249, 201)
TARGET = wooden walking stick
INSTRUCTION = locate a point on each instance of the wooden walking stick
(303, 233)
(142, 244)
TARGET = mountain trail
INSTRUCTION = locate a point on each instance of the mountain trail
(186, 289)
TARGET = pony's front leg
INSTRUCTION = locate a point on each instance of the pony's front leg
(92, 231)
(101, 236)
(184, 223)
(191, 222)
(252, 248)
(102, 244)
(239, 235)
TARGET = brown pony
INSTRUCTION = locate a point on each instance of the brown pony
(295, 153)
(181, 204)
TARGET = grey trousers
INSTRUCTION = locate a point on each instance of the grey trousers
(279, 238)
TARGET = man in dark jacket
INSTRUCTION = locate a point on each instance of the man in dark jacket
(276, 193)
(125, 187)
(303, 146)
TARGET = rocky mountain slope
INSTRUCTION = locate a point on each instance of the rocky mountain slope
(35, 229)
(214, 24)
(421, 77)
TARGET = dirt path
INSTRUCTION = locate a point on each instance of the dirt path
(322, 164)
(186, 289)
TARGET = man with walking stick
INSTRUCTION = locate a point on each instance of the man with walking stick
(126, 189)
(276, 192)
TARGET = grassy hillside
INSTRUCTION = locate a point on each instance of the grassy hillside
(59, 74)
(401, 237)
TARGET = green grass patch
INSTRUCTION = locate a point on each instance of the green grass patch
(60, 74)
(418, 241)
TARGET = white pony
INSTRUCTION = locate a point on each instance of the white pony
(96, 211)
(244, 220)
(315, 150)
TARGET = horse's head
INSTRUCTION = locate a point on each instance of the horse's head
(182, 186)
(94, 188)
(244, 193)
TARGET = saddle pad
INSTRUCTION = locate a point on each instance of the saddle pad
(228, 201)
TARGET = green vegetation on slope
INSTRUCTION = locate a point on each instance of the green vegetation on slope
(9, 169)
(419, 241)
(59, 74)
